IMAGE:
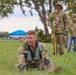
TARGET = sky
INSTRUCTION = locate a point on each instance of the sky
(18, 21)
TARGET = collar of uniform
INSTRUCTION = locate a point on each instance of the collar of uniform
(36, 45)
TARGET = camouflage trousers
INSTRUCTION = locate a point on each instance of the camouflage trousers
(66, 38)
(58, 44)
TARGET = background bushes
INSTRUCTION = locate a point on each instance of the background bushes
(42, 37)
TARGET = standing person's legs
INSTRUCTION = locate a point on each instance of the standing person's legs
(65, 41)
(69, 43)
(74, 44)
(61, 43)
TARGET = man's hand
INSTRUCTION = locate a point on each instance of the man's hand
(46, 61)
(65, 33)
(21, 67)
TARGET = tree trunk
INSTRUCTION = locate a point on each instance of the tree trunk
(50, 6)
(46, 29)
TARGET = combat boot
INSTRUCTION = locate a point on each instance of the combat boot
(61, 53)
(55, 53)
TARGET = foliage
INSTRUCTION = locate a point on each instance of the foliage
(8, 59)
(3, 34)
(6, 7)
(72, 6)
(42, 37)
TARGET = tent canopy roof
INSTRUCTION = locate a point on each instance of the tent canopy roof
(18, 32)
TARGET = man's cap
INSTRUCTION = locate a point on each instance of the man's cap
(59, 3)
(73, 15)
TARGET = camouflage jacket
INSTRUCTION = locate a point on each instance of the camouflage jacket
(72, 28)
(23, 60)
(59, 21)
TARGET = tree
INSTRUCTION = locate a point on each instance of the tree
(71, 5)
(7, 7)
(3, 34)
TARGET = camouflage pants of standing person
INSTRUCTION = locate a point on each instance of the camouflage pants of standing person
(59, 44)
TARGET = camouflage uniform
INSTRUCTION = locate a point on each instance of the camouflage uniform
(72, 30)
(40, 64)
(58, 20)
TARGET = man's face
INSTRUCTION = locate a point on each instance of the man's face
(30, 39)
(58, 7)
(74, 19)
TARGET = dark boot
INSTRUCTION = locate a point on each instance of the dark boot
(61, 53)
(54, 53)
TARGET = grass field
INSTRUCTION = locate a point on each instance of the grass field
(8, 59)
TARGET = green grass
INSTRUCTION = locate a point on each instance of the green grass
(8, 59)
